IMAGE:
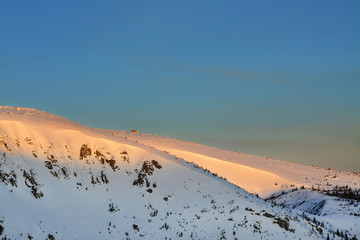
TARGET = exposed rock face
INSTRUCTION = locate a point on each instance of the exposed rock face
(32, 184)
(84, 151)
(147, 169)
(2, 142)
(102, 158)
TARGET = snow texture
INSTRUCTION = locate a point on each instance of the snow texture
(62, 180)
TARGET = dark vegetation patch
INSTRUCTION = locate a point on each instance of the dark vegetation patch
(341, 192)
(314, 223)
(283, 224)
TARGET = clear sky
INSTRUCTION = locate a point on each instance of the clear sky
(273, 78)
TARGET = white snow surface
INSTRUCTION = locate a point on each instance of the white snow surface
(75, 182)
(258, 175)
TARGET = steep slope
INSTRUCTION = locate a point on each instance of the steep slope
(329, 195)
(258, 175)
(61, 180)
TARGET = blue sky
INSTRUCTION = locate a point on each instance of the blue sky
(271, 78)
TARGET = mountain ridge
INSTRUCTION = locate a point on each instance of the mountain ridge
(121, 178)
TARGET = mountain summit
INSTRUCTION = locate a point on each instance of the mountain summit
(62, 180)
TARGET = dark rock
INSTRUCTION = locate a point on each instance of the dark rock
(50, 237)
(156, 164)
(85, 151)
(2, 142)
(48, 165)
(136, 227)
(268, 215)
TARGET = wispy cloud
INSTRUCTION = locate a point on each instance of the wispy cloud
(224, 73)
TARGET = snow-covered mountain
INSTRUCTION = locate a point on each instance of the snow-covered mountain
(62, 180)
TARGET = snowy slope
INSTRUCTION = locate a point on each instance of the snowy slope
(258, 175)
(62, 180)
